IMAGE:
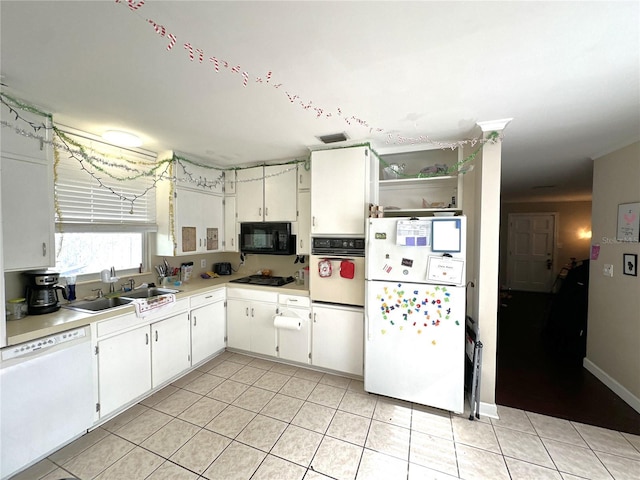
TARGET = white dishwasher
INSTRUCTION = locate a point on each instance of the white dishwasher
(46, 397)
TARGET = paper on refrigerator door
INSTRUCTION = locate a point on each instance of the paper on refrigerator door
(445, 270)
(447, 235)
(413, 233)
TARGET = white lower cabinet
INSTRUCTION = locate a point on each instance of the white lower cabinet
(208, 325)
(250, 320)
(170, 348)
(124, 368)
(132, 360)
(338, 338)
(294, 337)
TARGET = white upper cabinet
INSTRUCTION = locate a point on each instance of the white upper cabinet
(341, 190)
(303, 226)
(34, 143)
(190, 220)
(266, 194)
(230, 182)
(230, 225)
(199, 222)
(28, 219)
(304, 176)
(197, 176)
(280, 193)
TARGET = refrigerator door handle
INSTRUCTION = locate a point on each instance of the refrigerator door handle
(367, 330)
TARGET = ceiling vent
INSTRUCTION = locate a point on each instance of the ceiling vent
(333, 138)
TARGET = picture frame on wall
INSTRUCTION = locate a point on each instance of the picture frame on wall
(630, 264)
(628, 222)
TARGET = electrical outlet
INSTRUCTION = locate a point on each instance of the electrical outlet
(607, 270)
(203, 263)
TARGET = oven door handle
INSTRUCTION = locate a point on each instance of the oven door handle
(339, 259)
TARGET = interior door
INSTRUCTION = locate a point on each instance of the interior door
(530, 255)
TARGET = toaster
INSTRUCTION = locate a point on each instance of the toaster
(222, 268)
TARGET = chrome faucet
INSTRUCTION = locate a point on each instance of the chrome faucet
(99, 290)
(114, 279)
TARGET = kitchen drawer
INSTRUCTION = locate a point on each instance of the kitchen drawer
(181, 305)
(254, 295)
(294, 301)
(116, 324)
(206, 298)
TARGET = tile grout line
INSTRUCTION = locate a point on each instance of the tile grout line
(289, 423)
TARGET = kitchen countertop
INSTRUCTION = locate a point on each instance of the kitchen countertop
(33, 327)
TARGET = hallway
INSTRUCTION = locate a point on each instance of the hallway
(531, 378)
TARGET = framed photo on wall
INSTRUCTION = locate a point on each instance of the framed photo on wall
(628, 222)
(630, 264)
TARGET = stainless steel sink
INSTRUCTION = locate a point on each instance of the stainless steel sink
(105, 303)
(148, 292)
(99, 304)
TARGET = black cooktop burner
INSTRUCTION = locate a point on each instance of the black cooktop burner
(262, 280)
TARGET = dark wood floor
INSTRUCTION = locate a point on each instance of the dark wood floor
(538, 378)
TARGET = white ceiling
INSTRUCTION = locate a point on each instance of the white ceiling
(389, 73)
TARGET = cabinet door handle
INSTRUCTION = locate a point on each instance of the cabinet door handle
(313, 221)
(252, 312)
(300, 179)
(266, 211)
(146, 339)
(195, 320)
(314, 318)
(247, 312)
(44, 249)
(156, 335)
(260, 211)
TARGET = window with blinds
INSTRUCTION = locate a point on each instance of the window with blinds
(105, 207)
(107, 188)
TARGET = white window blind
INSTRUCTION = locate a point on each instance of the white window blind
(89, 199)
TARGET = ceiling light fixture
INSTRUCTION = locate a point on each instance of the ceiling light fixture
(122, 139)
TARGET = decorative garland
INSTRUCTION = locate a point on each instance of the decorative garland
(105, 164)
(198, 55)
(454, 169)
(100, 163)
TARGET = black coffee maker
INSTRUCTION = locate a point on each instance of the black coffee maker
(42, 292)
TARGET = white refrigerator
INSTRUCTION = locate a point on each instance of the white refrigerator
(415, 310)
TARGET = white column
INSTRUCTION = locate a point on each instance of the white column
(487, 258)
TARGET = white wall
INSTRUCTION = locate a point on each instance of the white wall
(613, 336)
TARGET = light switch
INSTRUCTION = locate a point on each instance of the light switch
(607, 270)
(203, 263)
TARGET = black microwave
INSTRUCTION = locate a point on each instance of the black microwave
(267, 238)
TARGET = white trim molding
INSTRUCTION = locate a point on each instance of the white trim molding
(489, 410)
(492, 125)
(617, 388)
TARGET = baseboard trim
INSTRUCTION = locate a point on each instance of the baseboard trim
(617, 388)
(488, 410)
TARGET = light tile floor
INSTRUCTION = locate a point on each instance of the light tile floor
(239, 417)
